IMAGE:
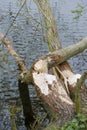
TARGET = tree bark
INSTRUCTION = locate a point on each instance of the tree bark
(52, 35)
(61, 55)
(77, 93)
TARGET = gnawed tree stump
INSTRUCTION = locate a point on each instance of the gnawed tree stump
(63, 72)
(54, 88)
(53, 92)
(56, 92)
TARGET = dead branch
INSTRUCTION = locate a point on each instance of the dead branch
(13, 52)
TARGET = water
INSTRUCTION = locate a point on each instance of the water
(26, 37)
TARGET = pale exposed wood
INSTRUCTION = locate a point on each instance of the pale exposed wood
(53, 93)
(81, 80)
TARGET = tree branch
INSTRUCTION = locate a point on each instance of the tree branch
(51, 27)
(47, 61)
(59, 56)
(13, 52)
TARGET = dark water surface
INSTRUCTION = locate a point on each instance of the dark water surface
(26, 37)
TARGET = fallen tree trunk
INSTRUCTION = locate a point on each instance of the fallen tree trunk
(61, 55)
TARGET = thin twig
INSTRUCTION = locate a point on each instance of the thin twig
(14, 18)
